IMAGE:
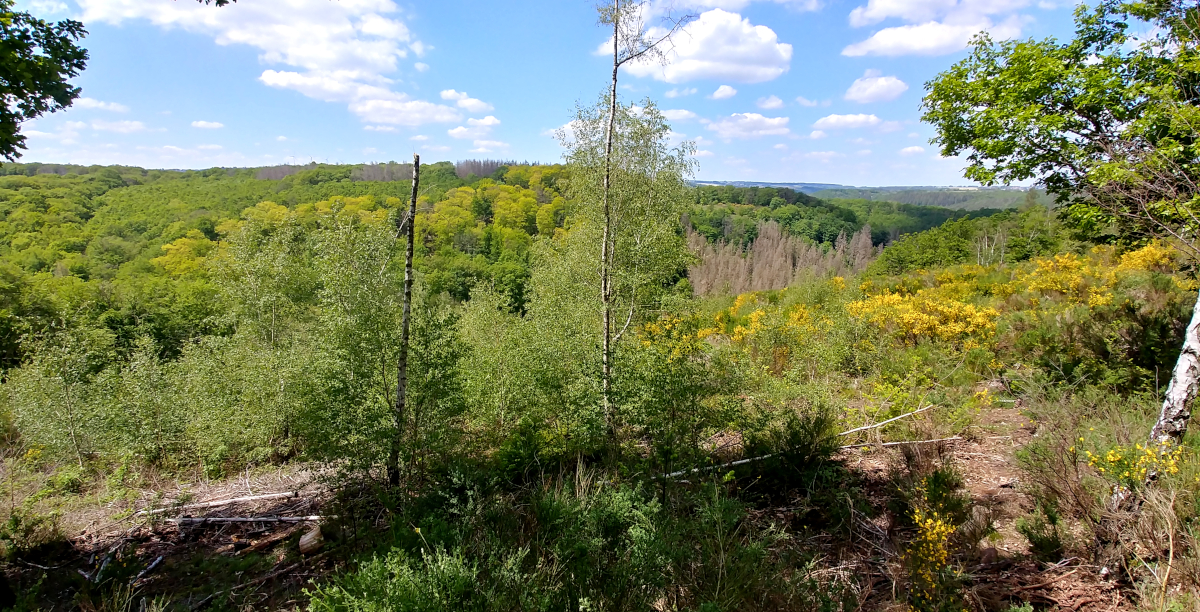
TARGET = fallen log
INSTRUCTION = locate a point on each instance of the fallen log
(197, 520)
(218, 503)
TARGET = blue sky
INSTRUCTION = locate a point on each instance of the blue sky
(771, 90)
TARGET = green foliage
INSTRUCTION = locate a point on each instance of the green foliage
(980, 200)
(1042, 529)
(37, 60)
(732, 214)
(1005, 237)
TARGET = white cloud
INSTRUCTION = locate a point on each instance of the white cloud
(419, 138)
(874, 87)
(472, 105)
(421, 66)
(341, 51)
(917, 11)
(770, 102)
(207, 125)
(802, 101)
(436, 148)
(863, 152)
(841, 122)
(781, 147)
(475, 128)
(281, 138)
(120, 127)
(934, 27)
(930, 38)
(92, 103)
(488, 146)
(404, 112)
(680, 92)
(749, 125)
(379, 128)
(370, 151)
(914, 150)
(817, 135)
(718, 45)
(210, 147)
(702, 153)
(678, 114)
(723, 92)
(736, 5)
(44, 8)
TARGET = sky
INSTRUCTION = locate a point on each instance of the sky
(821, 91)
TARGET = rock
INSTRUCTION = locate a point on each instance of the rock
(311, 541)
(989, 555)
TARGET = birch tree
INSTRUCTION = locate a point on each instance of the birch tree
(621, 156)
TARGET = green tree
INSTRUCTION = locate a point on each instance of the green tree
(37, 59)
(632, 42)
(630, 189)
(1106, 122)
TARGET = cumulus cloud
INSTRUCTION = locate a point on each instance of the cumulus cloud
(930, 38)
(679, 92)
(281, 138)
(702, 153)
(935, 27)
(723, 92)
(845, 122)
(735, 5)
(207, 125)
(718, 45)
(120, 127)
(678, 114)
(749, 125)
(337, 51)
(874, 87)
(92, 103)
(474, 129)
(379, 128)
(914, 150)
(488, 146)
(770, 102)
(419, 138)
(817, 135)
(462, 100)
(802, 101)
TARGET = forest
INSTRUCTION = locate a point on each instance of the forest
(596, 385)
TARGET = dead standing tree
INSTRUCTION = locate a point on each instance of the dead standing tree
(404, 224)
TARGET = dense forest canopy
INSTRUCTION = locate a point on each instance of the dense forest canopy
(125, 246)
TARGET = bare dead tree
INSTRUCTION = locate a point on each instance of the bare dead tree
(407, 225)
(774, 260)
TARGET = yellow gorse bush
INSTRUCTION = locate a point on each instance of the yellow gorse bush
(1130, 466)
(676, 337)
(928, 558)
(925, 316)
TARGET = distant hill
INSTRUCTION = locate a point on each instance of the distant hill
(945, 197)
(801, 187)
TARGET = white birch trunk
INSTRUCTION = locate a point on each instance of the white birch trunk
(1177, 405)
